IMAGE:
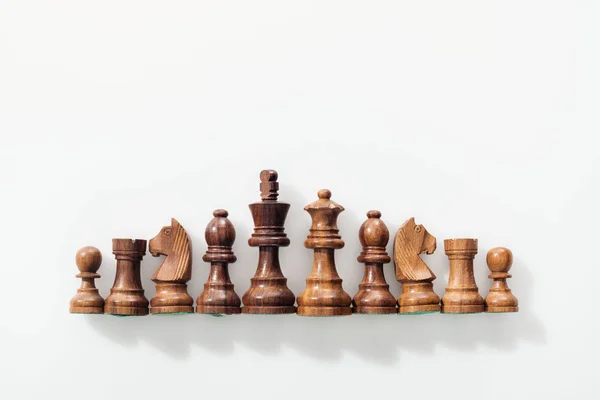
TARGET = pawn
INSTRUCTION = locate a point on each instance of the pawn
(373, 296)
(218, 296)
(87, 300)
(500, 298)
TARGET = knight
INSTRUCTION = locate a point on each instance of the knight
(417, 295)
(173, 274)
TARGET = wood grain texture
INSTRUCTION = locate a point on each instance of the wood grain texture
(462, 294)
(87, 300)
(268, 292)
(173, 274)
(500, 298)
(373, 296)
(219, 296)
(416, 277)
(324, 295)
(127, 294)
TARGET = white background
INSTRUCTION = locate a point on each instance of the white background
(479, 118)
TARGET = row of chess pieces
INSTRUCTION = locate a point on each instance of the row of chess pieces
(269, 294)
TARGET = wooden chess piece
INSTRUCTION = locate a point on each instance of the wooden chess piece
(127, 294)
(87, 300)
(500, 298)
(417, 288)
(173, 274)
(218, 296)
(462, 294)
(324, 295)
(374, 296)
(268, 292)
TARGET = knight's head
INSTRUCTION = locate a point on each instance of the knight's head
(163, 242)
(424, 240)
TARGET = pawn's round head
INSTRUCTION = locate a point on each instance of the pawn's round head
(88, 259)
(499, 259)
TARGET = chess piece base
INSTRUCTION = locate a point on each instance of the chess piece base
(228, 310)
(126, 310)
(501, 309)
(310, 311)
(269, 310)
(171, 309)
(374, 310)
(171, 298)
(462, 309)
(420, 309)
(86, 310)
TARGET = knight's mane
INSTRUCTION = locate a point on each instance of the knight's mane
(176, 266)
(406, 256)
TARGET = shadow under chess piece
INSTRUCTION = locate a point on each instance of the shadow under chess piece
(219, 296)
(87, 300)
(127, 294)
(417, 295)
(173, 274)
(500, 299)
(373, 296)
(324, 295)
(268, 292)
(462, 294)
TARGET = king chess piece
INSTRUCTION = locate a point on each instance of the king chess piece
(324, 295)
(500, 298)
(417, 288)
(127, 294)
(268, 292)
(87, 300)
(374, 296)
(219, 296)
(173, 274)
(462, 294)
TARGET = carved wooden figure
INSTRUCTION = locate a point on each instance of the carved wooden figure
(127, 294)
(173, 274)
(87, 300)
(462, 294)
(373, 296)
(500, 298)
(324, 295)
(268, 292)
(416, 277)
(219, 296)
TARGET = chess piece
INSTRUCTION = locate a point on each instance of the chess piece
(173, 274)
(417, 288)
(218, 296)
(127, 295)
(374, 296)
(268, 292)
(500, 298)
(324, 295)
(462, 294)
(87, 300)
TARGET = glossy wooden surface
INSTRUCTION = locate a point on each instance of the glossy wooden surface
(268, 292)
(373, 296)
(173, 274)
(416, 277)
(87, 300)
(219, 296)
(127, 294)
(500, 298)
(462, 294)
(324, 295)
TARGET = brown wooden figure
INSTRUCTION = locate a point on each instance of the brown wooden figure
(417, 288)
(173, 274)
(500, 298)
(218, 296)
(373, 296)
(324, 295)
(268, 292)
(87, 300)
(127, 294)
(462, 294)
